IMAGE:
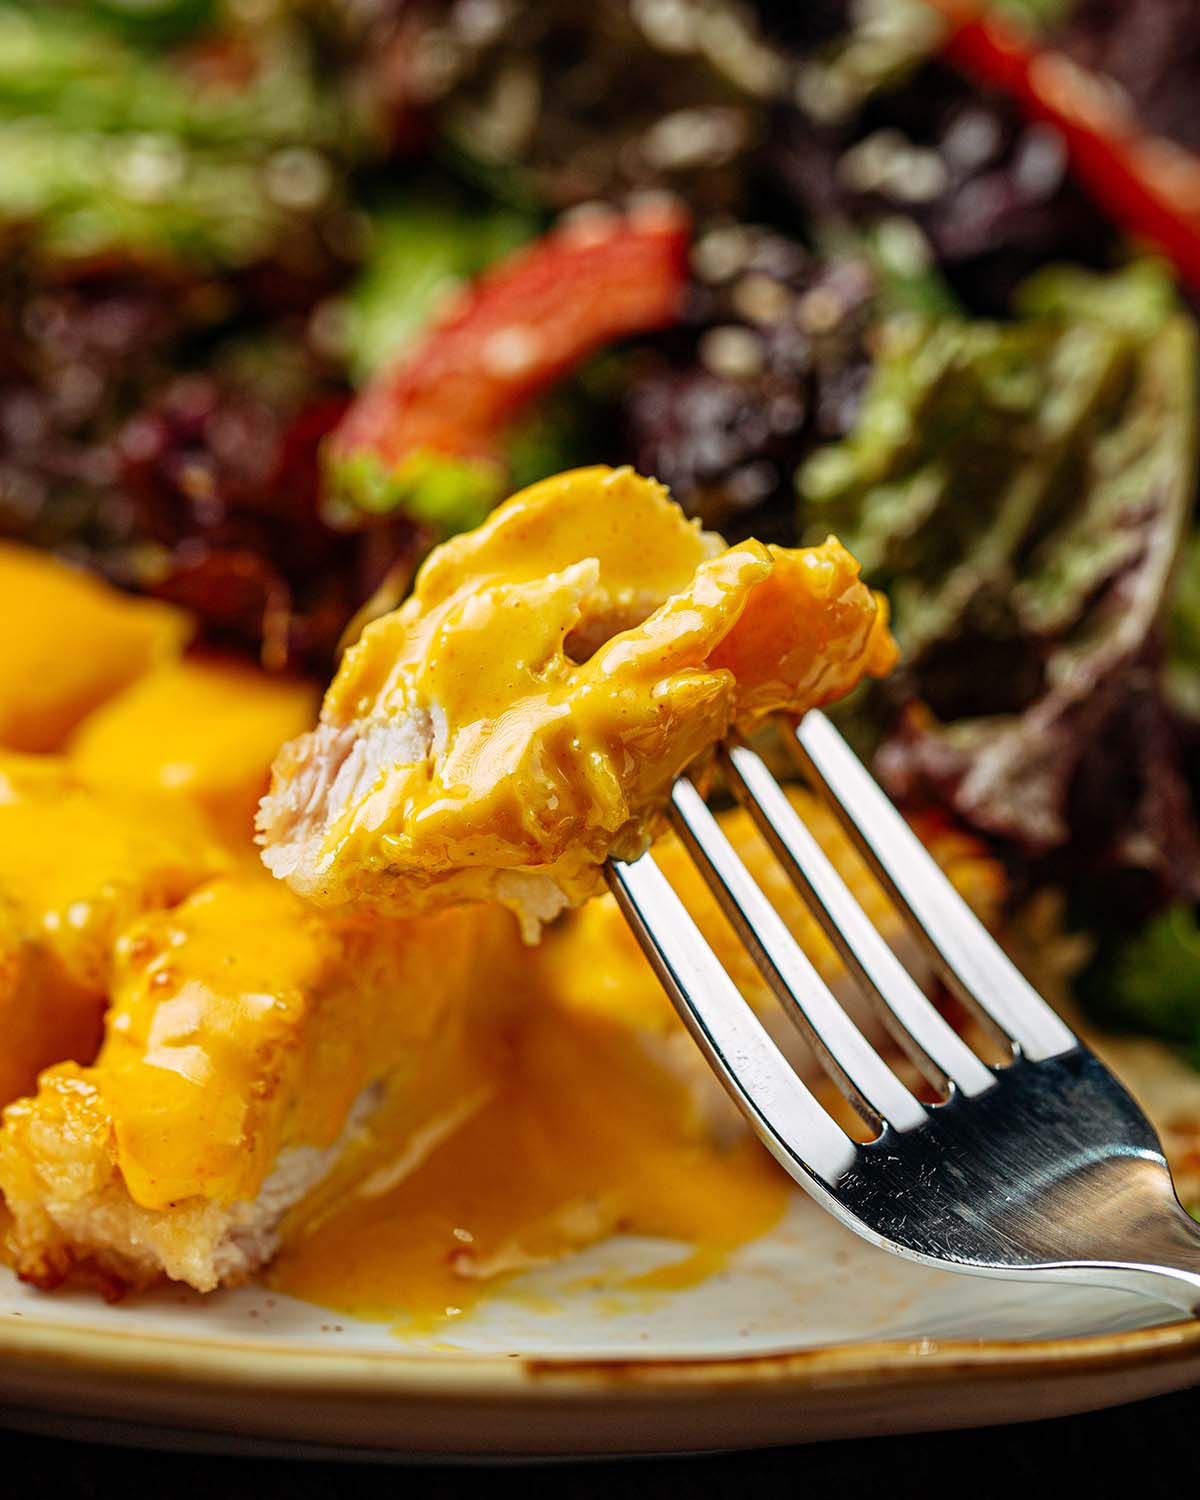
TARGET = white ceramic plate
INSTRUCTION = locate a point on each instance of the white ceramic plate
(809, 1334)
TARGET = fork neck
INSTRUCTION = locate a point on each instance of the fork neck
(1148, 1244)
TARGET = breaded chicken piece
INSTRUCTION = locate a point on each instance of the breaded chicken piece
(70, 642)
(249, 1037)
(523, 716)
(76, 867)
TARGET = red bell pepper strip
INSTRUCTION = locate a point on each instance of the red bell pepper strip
(425, 434)
(1149, 186)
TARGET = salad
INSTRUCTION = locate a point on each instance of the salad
(293, 290)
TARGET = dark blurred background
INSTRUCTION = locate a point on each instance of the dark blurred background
(1147, 1449)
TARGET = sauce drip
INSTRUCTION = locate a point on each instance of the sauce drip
(569, 1131)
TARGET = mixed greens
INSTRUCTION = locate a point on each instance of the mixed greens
(1023, 491)
(292, 287)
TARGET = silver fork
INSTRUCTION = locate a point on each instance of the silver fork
(1042, 1168)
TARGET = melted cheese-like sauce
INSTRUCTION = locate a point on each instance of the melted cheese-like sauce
(522, 716)
(75, 868)
(205, 727)
(579, 1135)
(70, 643)
(243, 1023)
(568, 1128)
(530, 1120)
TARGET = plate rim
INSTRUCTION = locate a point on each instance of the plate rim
(161, 1390)
(205, 1361)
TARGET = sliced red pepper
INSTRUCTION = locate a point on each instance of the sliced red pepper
(425, 434)
(1148, 185)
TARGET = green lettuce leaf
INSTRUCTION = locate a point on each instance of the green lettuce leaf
(419, 255)
(1023, 492)
(440, 490)
(1183, 636)
(1151, 983)
(111, 146)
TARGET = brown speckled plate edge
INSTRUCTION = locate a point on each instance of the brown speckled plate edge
(228, 1391)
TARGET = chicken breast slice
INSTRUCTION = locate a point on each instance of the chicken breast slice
(522, 717)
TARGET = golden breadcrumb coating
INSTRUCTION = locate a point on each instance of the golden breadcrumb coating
(245, 1029)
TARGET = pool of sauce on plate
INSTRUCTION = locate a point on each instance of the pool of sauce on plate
(559, 1132)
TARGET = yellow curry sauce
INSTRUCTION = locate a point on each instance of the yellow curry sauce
(70, 642)
(75, 868)
(523, 715)
(204, 727)
(516, 1113)
(575, 1132)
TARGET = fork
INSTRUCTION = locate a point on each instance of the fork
(1042, 1167)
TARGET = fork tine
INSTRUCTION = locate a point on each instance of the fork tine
(972, 962)
(852, 1062)
(781, 1111)
(933, 1045)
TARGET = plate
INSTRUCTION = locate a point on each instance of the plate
(809, 1333)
